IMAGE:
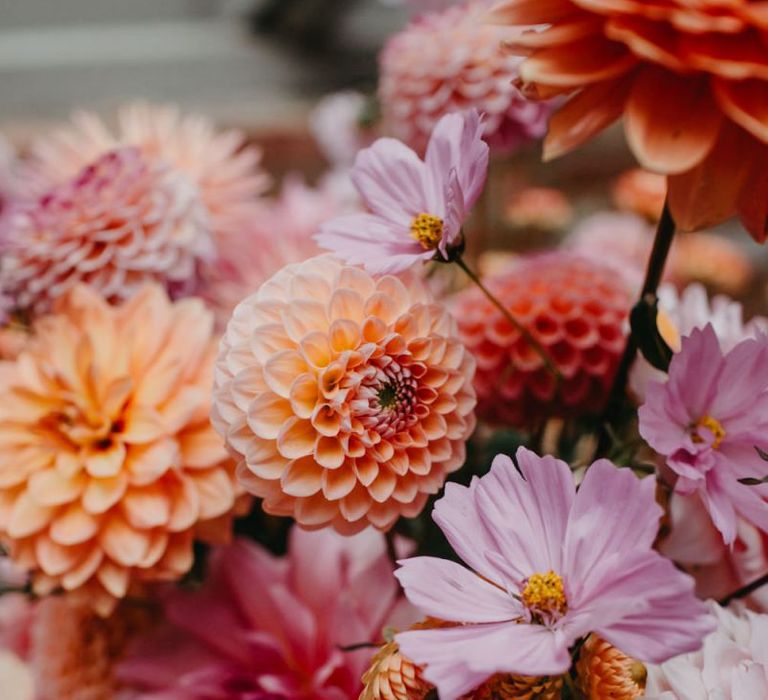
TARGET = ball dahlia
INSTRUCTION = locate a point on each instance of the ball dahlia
(108, 460)
(226, 170)
(451, 61)
(120, 222)
(575, 308)
(689, 78)
(348, 397)
(393, 677)
(605, 673)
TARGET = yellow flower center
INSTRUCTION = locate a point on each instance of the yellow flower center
(545, 593)
(427, 230)
(714, 427)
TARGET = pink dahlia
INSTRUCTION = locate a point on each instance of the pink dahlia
(348, 397)
(120, 222)
(340, 127)
(453, 61)
(226, 170)
(547, 566)
(263, 627)
(417, 207)
(708, 419)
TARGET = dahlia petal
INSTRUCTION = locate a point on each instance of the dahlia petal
(653, 41)
(345, 304)
(201, 447)
(114, 578)
(146, 507)
(122, 543)
(302, 477)
(531, 12)
(107, 462)
(584, 116)
(185, 504)
(445, 590)
(146, 463)
(142, 425)
(53, 558)
(216, 494)
(268, 414)
(101, 494)
(52, 488)
(676, 134)
(86, 568)
(296, 438)
(28, 516)
(73, 526)
(281, 369)
(753, 201)
(329, 452)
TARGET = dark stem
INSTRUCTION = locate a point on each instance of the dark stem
(358, 646)
(529, 338)
(745, 590)
(662, 243)
(391, 548)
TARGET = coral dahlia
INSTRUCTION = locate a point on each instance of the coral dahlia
(689, 78)
(451, 61)
(348, 397)
(119, 223)
(108, 460)
(575, 308)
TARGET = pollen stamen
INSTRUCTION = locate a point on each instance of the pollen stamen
(427, 229)
(713, 426)
(544, 594)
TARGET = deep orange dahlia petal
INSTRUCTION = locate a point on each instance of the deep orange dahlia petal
(672, 121)
(585, 115)
(709, 193)
(567, 32)
(753, 201)
(652, 41)
(746, 102)
(525, 12)
(736, 57)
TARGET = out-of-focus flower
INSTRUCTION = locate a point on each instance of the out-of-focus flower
(575, 308)
(16, 678)
(707, 420)
(504, 686)
(280, 235)
(680, 313)
(605, 673)
(75, 651)
(267, 627)
(338, 123)
(547, 565)
(695, 544)
(640, 192)
(349, 397)
(121, 222)
(109, 462)
(711, 259)
(226, 171)
(8, 174)
(544, 208)
(453, 61)
(16, 615)
(391, 676)
(732, 665)
(417, 208)
(689, 80)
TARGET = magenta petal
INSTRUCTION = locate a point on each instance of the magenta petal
(695, 370)
(448, 591)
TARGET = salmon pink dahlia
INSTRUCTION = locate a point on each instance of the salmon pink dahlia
(348, 397)
(120, 222)
(451, 61)
(689, 78)
(577, 311)
(107, 460)
(219, 163)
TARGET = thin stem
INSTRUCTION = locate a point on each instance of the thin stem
(529, 338)
(662, 243)
(391, 547)
(745, 590)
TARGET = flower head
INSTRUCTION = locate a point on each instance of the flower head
(640, 192)
(707, 420)
(338, 123)
(349, 397)
(262, 627)
(225, 170)
(689, 78)
(416, 207)
(575, 308)
(391, 676)
(548, 565)
(451, 60)
(109, 463)
(119, 223)
(605, 673)
(732, 665)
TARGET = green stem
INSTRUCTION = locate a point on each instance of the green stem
(524, 332)
(662, 243)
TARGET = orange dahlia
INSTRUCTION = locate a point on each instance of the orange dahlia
(605, 673)
(393, 677)
(220, 164)
(690, 79)
(108, 463)
(348, 397)
(575, 308)
(452, 61)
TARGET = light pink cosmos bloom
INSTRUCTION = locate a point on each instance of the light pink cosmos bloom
(416, 207)
(707, 420)
(549, 565)
(263, 627)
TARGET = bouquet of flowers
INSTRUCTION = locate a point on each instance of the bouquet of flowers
(320, 442)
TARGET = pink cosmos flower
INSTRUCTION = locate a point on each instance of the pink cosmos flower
(416, 207)
(707, 420)
(263, 628)
(549, 565)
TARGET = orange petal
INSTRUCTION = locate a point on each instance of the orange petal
(281, 370)
(338, 483)
(529, 12)
(55, 559)
(146, 507)
(101, 494)
(123, 543)
(202, 447)
(302, 477)
(671, 122)
(267, 415)
(296, 438)
(114, 578)
(52, 488)
(28, 516)
(746, 102)
(74, 526)
(329, 452)
(105, 462)
(215, 492)
(753, 202)
(147, 463)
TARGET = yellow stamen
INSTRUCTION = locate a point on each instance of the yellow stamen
(427, 230)
(545, 593)
(714, 426)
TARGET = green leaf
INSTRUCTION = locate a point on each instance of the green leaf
(753, 481)
(645, 331)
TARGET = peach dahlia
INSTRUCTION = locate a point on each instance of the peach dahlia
(689, 78)
(108, 463)
(348, 397)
